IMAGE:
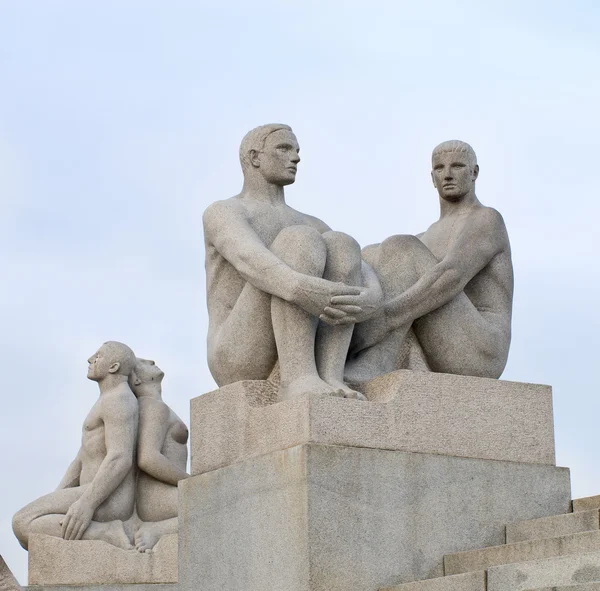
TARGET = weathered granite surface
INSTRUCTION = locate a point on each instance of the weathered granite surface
(53, 561)
(409, 411)
(332, 518)
(8, 582)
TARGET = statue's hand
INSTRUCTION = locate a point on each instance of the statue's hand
(314, 295)
(361, 306)
(76, 521)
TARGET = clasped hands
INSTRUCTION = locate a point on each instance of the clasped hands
(337, 303)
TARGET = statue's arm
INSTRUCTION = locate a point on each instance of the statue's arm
(71, 477)
(483, 237)
(120, 416)
(154, 423)
(227, 230)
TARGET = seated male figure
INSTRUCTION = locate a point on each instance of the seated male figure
(448, 292)
(272, 273)
(97, 493)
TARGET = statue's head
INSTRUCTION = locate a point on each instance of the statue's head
(145, 372)
(454, 169)
(111, 358)
(271, 151)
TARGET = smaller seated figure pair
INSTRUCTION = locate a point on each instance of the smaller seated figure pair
(283, 287)
(121, 487)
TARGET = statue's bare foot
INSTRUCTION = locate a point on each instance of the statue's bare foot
(345, 391)
(305, 385)
(147, 536)
(113, 532)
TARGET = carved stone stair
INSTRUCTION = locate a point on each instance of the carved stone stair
(559, 553)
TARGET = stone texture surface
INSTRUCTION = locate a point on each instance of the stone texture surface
(408, 411)
(463, 562)
(138, 587)
(558, 571)
(586, 503)
(8, 582)
(332, 518)
(475, 581)
(53, 561)
(582, 587)
(554, 526)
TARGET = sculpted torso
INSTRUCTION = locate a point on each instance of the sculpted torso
(224, 282)
(491, 289)
(119, 505)
(157, 499)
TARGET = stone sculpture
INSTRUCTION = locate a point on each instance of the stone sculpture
(161, 456)
(440, 301)
(448, 291)
(97, 493)
(273, 272)
(105, 494)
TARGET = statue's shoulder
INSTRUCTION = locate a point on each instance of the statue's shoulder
(222, 207)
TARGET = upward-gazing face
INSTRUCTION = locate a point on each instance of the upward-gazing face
(101, 364)
(453, 175)
(278, 161)
(147, 371)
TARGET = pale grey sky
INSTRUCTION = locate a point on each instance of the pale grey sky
(121, 122)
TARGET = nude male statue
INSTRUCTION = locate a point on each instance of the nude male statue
(161, 457)
(97, 492)
(448, 292)
(273, 272)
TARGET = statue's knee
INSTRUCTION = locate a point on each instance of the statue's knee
(19, 526)
(302, 248)
(400, 243)
(343, 254)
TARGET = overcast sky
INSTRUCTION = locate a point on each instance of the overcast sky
(120, 123)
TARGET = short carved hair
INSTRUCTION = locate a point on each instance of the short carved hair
(255, 140)
(122, 354)
(456, 146)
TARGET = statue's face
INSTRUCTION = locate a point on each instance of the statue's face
(278, 161)
(100, 364)
(148, 371)
(453, 175)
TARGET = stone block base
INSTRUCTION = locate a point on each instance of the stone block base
(54, 561)
(331, 518)
(406, 410)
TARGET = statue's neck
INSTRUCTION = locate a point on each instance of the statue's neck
(150, 390)
(258, 189)
(110, 382)
(467, 202)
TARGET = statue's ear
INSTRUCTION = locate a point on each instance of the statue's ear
(254, 158)
(114, 368)
(134, 380)
(475, 172)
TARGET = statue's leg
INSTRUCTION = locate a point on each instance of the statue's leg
(45, 516)
(304, 250)
(332, 342)
(456, 338)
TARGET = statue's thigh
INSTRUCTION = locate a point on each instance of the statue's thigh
(56, 502)
(457, 339)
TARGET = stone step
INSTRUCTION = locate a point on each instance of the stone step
(582, 587)
(559, 571)
(474, 581)
(463, 562)
(553, 527)
(586, 503)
